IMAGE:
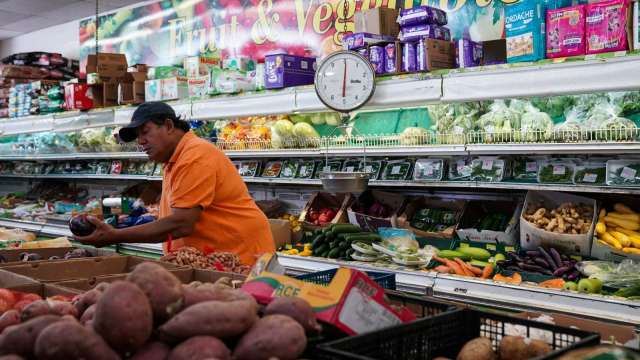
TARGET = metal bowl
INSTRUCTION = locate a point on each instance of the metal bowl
(337, 182)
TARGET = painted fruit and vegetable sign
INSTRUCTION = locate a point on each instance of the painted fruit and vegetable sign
(164, 32)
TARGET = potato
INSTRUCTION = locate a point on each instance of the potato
(88, 316)
(20, 339)
(63, 308)
(212, 318)
(201, 348)
(123, 317)
(11, 357)
(152, 351)
(163, 289)
(212, 292)
(11, 317)
(273, 336)
(297, 308)
(224, 281)
(513, 347)
(538, 348)
(71, 340)
(102, 287)
(84, 301)
(477, 349)
(35, 309)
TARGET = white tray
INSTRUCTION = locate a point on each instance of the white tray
(384, 250)
(363, 250)
(354, 256)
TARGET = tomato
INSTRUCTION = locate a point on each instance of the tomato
(324, 218)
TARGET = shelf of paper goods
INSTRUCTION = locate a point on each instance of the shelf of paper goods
(487, 292)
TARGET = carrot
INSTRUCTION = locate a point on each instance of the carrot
(452, 264)
(442, 269)
(464, 267)
(553, 283)
(476, 271)
(486, 272)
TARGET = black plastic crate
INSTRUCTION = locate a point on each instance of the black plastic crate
(386, 280)
(446, 334)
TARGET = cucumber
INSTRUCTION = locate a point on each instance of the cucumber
(344, 245)
(321, 250)
(330, 236)
(317, 241)
(345, 228)
(334, 244)
(349, 252)
(334, 253)
(479, 263)
(368, 238)
(451, 254)
(475, 253)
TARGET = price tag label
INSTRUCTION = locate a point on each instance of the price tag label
(460, 166)
(487, 164)
(326, 169)
(350, 168)
(396, 170)
(628, 173)
(368, 169)
(590, 178)
(287, 172)
(559, 169)
(532, 166)
(303, 169)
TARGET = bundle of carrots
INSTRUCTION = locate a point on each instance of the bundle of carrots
(458, 267)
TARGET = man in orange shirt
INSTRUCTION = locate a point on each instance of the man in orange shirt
(204, 204)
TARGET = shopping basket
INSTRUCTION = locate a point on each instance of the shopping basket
(385, 280)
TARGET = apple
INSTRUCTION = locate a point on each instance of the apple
(590, 286)
(570, 285)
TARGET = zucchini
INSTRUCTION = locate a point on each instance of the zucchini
(330, 236)
(317, 241)
(321, 250)
(334, 253)
(367, 239)
(344, 245)
(345, 228)
(349, 252)
(334, 244)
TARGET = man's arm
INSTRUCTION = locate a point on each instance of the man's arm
(179, 224)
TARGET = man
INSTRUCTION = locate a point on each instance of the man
(204, 204)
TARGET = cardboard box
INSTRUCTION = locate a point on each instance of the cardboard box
(435, 54)
(55, 271)
(319, 200)
(175, 88)
(78, 97)
(371, 223)
(494, 52)
(12, 256)
(186, 276)
(132, 90)
(109, 67)
(404, 220)
(196, 66)
(531, 237)
(478, 209)
(283, 71)
(281, 232)
(142, 68)
(351, 301)
(105, 94)
(10, 280)
(359, 40)
(380, 21)
(153, 90)
(46, 290)
(198, 87)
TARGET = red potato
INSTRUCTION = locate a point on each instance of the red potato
(88, 316)
(63, 308)
(152, 351)
(102, 287)
(20, 339)
(71, 340)
(84, 301)
(163, 289)
(11, 357)
(35, 309)
(201, 348)
(11, 317)
(273, 336)
(212, 292)
(123, 317)
(212, 318)
(297, 308)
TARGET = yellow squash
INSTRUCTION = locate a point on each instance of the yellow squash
(624, 239)
(612, 241)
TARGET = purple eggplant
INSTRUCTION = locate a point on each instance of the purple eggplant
(561, 271)
(573, 276)
(541, 262)
(555, 255)
(567, 263)
(534, 268)
(515, 256)
(548, 258)
(533, 253)
(514, 268)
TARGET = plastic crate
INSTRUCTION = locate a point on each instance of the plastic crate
(386, 280)
(446, 334)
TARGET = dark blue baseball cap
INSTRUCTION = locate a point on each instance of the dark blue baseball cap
(145, 112)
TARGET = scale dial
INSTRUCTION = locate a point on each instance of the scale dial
(345, 81)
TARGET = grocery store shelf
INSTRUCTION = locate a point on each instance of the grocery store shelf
(86, 176)
(409, 281)
(155, 249)
(595, 148)
(578, 77)
(52, 229)
(77, 156)
(536, 298)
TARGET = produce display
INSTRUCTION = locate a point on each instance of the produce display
(34, 256)
(489, 170)
(320, 217)
(556, 172)
(434, 220)
(591, 173)
(542, 261)
(510, 347)
(221, 261)
(619, 229)
(623, 172)
(495, 222)
(568, 218)
(335, 241)
(397, 170)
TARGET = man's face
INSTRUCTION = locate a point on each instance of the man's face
(156, 141)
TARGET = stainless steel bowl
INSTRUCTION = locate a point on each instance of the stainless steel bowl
(337, 182)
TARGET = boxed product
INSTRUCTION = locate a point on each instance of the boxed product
(198, 87)
(174, 88)
(78, 96)
(566, 32)
(491, 222)
(432, 217)
(108, 67)
(490, 169)
(393, 59)
(240, 63)
(165, 72)
(359, 40)
(538, 227)
(429, 170)
(288, 70)
(351, 301)
(434, 54)
(416, 32)
(468, 53)
(153, 90)
(132, 90)
(422, 15)
(324, 209)
(376, 209)
(397, 170)
(591, 173)
(460, 169)
(231, 82)
(525, 31)
(556, 172)
(607, 23)
(380, 20)
(196, 66)
(623, 172)
(377, 58)
(525, 168)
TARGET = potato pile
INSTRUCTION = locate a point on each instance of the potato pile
(151, 315)
(567, 218)
(510, 348)
(221, 261)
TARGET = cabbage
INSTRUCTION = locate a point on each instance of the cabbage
(499, 120)
(318, 119)
(282, 134)
(535, 125)
(276, 140)
(333, 119)
(296, 118)
(555, 106)
(414, 136)
(284, 128)
(306, 134)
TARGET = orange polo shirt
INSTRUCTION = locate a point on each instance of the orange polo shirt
(198, 174)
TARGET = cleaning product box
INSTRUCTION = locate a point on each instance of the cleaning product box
(525, 31)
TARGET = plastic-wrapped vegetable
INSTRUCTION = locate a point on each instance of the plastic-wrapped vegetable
(489, 169)
(623, 172)
(306, 135)
(535, 125)
(414, 136)
(624, 274)
(555, 106)
(591, 173)
(605, 124)
(282, 134)
(571, 130)
(526, 168)
(499, 122)
(460, 168)
(628, 102)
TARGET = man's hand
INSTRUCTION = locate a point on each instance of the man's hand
(103, 235)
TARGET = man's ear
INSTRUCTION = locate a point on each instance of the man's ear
(169, 124)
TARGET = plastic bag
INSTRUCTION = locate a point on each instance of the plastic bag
(499, 120)
(399, 240)
(535, 125)
(624, 274)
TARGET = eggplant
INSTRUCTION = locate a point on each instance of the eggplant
(567, 263)
(533, 268)
(555, 255)
(540, 261)
(514, 268)
(505, 263)
(80, 226)
(561, 271)
(548, 258)
(573, 276)
(515, 256)
(533, 253)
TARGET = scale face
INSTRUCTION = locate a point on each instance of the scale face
(345, 81)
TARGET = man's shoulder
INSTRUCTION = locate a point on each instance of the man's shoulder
(200, 149)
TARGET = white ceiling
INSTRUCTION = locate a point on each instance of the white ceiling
(24, 16)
